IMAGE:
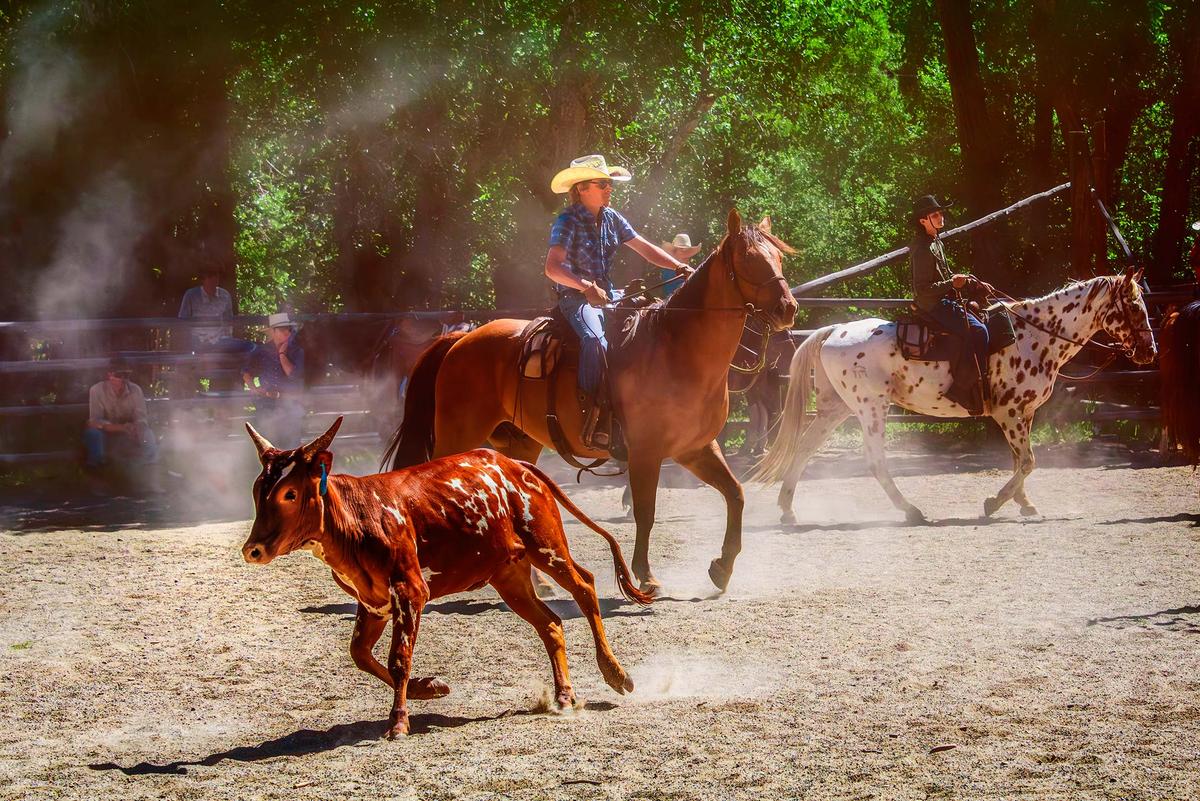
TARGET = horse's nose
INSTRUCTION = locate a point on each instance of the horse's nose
(785, 312)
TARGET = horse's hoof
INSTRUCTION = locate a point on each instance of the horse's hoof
(788, 518)
(914, 515)
(990, 505)
(1029, 511)
(719, 574)
(651, 587)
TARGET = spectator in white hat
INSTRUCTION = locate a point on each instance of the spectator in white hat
(274, 373)
(680, 248)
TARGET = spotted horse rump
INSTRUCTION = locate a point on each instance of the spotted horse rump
(395, 540)
(857, 369)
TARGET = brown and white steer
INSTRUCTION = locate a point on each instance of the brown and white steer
(395, 540)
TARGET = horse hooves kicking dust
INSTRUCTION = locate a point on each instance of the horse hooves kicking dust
(719, 574)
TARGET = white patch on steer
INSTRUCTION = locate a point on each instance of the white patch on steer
(394, 512)
(376, 494)
(314, 548)
(552, 556)
(456, 483)
(526, 511)
(428, 574)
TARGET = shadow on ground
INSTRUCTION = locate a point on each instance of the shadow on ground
(309, 741)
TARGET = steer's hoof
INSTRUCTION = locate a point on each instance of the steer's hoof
(990, 505)
(719, 574)
(651, 587)
(424, 689)
(914, 515)
(565, 699)
(616, 678)
(1029, 511)
(399, 728)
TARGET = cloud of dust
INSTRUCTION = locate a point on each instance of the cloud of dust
(684, 675)
(94, 257)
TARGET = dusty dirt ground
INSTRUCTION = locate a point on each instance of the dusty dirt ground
(853, 656)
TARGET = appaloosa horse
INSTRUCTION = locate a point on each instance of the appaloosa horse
(668, 386)
(858, 369)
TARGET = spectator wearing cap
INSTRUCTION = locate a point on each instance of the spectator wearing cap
(682, 249)
(117, 429)
(209, 301)
(274, 373)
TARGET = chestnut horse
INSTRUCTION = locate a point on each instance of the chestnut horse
(1179, 379)
(668, 387)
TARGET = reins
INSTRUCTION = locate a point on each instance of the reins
(1113, 350)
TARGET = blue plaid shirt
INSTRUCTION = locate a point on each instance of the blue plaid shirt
(590, 248)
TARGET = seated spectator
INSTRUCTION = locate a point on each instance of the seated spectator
(118, 432)
(210, 302)
(274, 372)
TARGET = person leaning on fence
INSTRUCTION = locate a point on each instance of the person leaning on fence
(274, 373)
(583, 241)
(118, 430)
(938, 292)
(209, 301)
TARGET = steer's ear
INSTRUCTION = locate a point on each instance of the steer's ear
(765, 225)
(323, 458)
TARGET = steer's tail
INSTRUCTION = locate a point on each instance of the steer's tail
(624, 579)
(791, 426)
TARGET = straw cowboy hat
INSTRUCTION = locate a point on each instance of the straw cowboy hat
(1196, 225)
(586, 168)
(681, 247)
(280, 320)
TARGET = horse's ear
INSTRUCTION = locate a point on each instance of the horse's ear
(1137, 277)
(765, 225)
(734, 224)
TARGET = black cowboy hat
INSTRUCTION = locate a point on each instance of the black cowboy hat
(926, 205)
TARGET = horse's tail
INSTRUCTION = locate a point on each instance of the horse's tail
(1179, 378)
(413, 441)
(791, 426)
(624, 579)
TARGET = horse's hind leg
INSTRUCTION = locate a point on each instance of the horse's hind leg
(515, 588)
(811, 441)
(872, 419)
(643, 480)
(708, 465)
(551, 555)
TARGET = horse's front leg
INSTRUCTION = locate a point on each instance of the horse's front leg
(1016, 431)
(643, 482)
(708, 465)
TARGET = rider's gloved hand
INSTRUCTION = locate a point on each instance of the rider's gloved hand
(594, 294)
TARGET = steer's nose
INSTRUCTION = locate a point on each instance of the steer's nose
(254, 554)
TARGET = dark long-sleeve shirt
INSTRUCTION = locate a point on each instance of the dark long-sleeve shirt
(931, 275)
(263, 362)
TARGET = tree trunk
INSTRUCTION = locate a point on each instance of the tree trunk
(1168, 242)
(982, 159)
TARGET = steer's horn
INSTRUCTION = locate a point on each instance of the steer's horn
(262, 443)
(322, 442)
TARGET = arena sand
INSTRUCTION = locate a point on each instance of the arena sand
(853, 657)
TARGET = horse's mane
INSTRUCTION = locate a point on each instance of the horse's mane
(1065, 288)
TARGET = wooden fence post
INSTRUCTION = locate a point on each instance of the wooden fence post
(1081, 206)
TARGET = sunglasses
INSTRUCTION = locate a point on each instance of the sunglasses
(601, 184)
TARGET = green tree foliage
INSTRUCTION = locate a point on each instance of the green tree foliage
(378, 155)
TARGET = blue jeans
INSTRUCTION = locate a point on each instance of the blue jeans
(588, 322)
(954, 318)
(140, 446)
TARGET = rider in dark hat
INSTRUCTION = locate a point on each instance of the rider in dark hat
(939, 295)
